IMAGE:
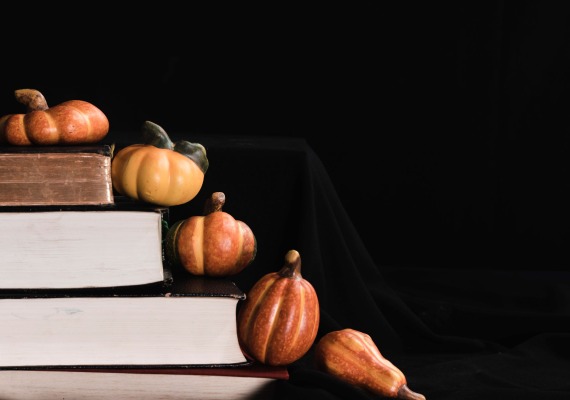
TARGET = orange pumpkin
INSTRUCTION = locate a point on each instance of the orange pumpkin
(215, 244)
(73, 122)
(279, 319)
(158, 171)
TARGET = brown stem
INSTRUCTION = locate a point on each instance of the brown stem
(214, 203)
(292, 267)
(406, 394)
(32, 99)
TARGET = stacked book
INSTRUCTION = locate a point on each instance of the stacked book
(89, 308)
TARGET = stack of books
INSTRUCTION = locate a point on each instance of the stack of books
(88, 307)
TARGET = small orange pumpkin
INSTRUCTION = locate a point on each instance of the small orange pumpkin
(215, 244)
(279, 319)
(72, 122)
(158, 171)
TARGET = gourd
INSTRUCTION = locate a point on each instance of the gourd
(73, 122)
(159, 171)
(279, 319)
(353, 357)
(215, 244)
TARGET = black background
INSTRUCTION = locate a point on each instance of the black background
(443, 127)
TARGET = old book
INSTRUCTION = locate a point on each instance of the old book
(192, 324)
(46, 248)
(56, 175)
(252, 382)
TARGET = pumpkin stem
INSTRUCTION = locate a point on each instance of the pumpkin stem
(194, 151)
(292, 267)
(214, 203)
(406, 394)
(32, 99)
(156, 136)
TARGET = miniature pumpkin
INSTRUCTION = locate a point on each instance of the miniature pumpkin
(352, 356)
(215, 244)
(279, 319)
(72, 122)
(158, 171)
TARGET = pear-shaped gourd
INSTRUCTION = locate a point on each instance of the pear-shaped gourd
(214, 244)
(279, 319)
(352, 356)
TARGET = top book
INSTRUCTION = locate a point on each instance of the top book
(56, 175)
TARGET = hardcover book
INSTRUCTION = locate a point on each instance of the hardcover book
(56, 175)
(193, 324)
(252, 382)
(43, 248)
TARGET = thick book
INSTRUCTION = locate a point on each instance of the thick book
(56, 175)
(192, 324)
(42, 248)
(252, 382)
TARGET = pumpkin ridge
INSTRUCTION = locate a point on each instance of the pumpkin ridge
(275, 289)
(51, 130)
(198, 246)
(83, 129)
(308, 288)
(241, 240)
(95, 130)
(16, 123)
(301, 315)
(274, 331)
(265, 285)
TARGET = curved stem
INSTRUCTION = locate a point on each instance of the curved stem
(32, 99)
(214, 203)
(292, 267)
(406, 394)
(156, 136)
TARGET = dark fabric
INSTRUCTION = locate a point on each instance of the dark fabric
(456, 334)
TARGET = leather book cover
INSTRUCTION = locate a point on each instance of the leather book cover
(55, 175)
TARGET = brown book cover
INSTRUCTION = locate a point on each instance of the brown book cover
(56, 175)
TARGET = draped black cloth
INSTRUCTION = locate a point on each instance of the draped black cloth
(455, 333)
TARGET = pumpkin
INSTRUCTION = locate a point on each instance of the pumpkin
(353, 357)
(214, 244)
(159, 171)
(279, 319)
(73, 122)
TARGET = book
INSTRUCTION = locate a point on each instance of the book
(56, 175)
(86, 247)
(245, 383)
(192, 324)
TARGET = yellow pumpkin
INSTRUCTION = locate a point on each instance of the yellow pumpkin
(73, 122)
(158, 171)
(279, 319)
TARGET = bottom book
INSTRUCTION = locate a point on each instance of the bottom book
(249, 382)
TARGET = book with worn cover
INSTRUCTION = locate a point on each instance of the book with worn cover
(56, 175)
(251, 382)
(82, 247)
(192, 324)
